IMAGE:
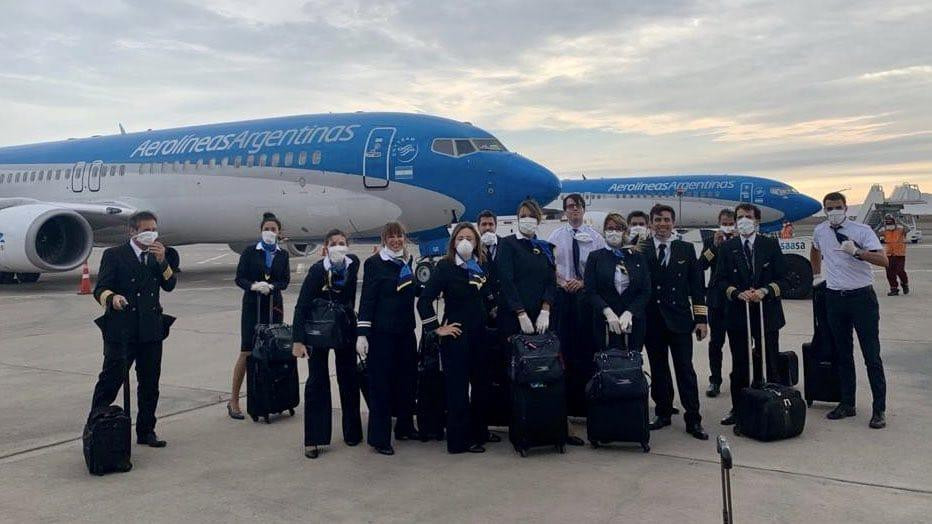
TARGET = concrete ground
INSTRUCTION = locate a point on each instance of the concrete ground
(217, 469)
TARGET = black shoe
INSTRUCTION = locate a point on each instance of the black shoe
(476, 448)
(311, 452)
(894, 292)
(714, 390)
(696, 431)
(575, 441)
(841, 411)
(729, 419)
(235, 415)
(878, 421)
(493, 438)
(388, 450)
(409, 435)
(352, 443)
(151, 440)
(659, 422)
(905, 289)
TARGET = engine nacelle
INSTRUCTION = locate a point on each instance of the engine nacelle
(38, 238)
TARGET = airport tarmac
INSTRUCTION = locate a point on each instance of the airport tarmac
(218, 469)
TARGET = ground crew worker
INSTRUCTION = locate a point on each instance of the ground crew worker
(894, 238)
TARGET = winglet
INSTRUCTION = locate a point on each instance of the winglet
(122, 131)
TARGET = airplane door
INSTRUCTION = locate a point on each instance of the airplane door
(747, 190)
(375, 162)
(77, 178)
(94, 174)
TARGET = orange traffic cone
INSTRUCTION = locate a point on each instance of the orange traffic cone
(85, 288)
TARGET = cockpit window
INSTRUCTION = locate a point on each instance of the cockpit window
(464, 147)
(783, 191)
(444, 146)
(488, 144)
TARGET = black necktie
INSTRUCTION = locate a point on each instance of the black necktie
(142, 258)
(662, 254)
(576, 255)
(841, 237)
(748, 255)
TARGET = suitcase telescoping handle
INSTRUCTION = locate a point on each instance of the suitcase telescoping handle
(259, 305)
(757, 364)
(724, 451)
(624, 338)
(126, 379)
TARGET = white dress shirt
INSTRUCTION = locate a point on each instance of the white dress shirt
(842, 271)
(562, 238)
(666, 255)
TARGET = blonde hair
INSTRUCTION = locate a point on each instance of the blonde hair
(392, 229)
(533, 207)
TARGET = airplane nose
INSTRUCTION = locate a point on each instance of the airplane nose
(806, 207)
(542, 184)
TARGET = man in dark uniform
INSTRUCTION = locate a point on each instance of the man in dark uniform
(714, 298)
(128, 284)
(751, 270)
(671, 321)
(498, 409)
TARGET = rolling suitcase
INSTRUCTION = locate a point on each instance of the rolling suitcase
(538, 393)
(768, 411)
(617, 399)
(819, 369)
(430, 404)
(499, 410)
(107, 437)
(788, 368)
(271, 372)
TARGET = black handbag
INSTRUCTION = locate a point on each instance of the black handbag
(271, 341)
(326, 325)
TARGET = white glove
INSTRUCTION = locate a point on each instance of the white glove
(526, 327)
(817, 280)
(362, 347)
(612, 320)
(543, 321)
(626, 321)
(256, 286)
(848, 247)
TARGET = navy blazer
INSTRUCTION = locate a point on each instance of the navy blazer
(678, 297)
(732, 276)
(600, 282)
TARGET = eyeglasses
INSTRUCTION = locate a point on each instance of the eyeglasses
(834, 208)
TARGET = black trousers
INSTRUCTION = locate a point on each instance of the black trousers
(741, 362)
(661, 345)
(717, 331)
(857, 311)
(574, 328)
(392, 364)
(466, 380)
(148, 359)
(318, 408)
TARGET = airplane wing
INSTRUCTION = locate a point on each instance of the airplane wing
(99, 215)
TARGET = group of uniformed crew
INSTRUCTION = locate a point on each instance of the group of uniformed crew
(635, 286)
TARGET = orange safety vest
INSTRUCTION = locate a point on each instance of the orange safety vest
(895, 241)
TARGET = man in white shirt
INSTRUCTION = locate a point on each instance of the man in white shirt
(842, 254)
(574, 240)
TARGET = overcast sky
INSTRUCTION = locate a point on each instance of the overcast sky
(823, 95)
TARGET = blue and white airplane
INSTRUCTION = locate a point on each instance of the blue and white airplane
(211, 184)
(697, 199)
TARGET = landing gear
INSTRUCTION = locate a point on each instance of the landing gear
(27, 278)
(7, 278)
(423, 271)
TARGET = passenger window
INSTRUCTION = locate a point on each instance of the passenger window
(187, 165)
(444, 146)
(274, 160)
(32, 177)
(122, 170)
(199, 164)
(289, 159)
(464, 147)
(212, 162)
(302, 158)
(224, 161)
(237, 161)
(262, 159)
(250, 160)
(68, 174)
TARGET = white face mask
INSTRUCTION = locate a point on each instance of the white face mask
(336, 254)
(394, 254)
(727, 229)
(835, 216)
(464, 249)
(489, 238)
(891, 227)
(615, 238)
(746, 226)
(146, 238)
(269, 237)
(583, 237)
(638, 231)
(527, 226)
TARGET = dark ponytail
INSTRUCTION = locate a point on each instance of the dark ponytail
(268, 216)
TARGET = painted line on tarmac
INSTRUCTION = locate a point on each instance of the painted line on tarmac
(211, 259)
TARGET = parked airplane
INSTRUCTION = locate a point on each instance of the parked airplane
(211, 184)
(697, 199)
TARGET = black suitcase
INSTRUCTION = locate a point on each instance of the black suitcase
(538, 393)
(617, 400)
(430, 405)
(788, 368)
(499, 409)
(107, 437)
(819, 370)
(770, 411)
(271, 387)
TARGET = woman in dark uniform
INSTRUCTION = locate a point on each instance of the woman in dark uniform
(386, 338)
(461, 278)
(618, 286)
(527, 276)
(334, 279)
(263, 273)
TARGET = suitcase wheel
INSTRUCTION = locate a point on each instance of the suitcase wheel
(809, 403)
(255, 418)
(594, 443)
(561, 448)
(268, 420)
(522, 452)
(291, 412)
(645, 446)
